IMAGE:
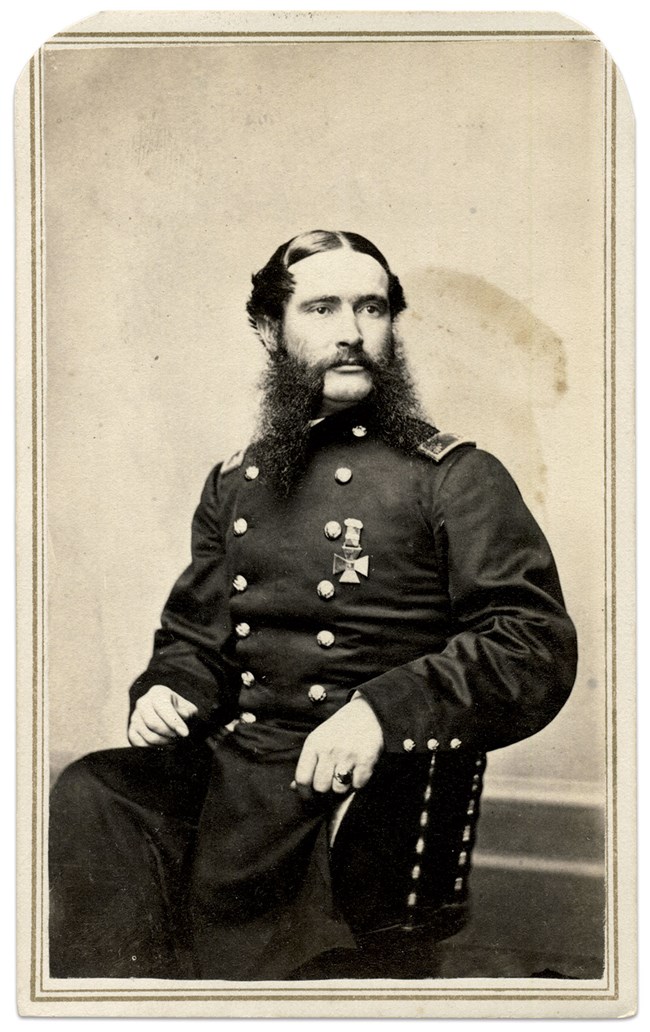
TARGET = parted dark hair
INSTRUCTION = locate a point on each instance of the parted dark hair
(273, 284)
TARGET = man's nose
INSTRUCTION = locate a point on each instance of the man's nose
(349, 331)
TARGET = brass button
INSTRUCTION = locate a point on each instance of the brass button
(359, 431)
(343, 475)
(462, 858)
(242, 630)
(433, 744)
(248, 679)
(325, 639)
(325, 589)
(317, 693)
(239, 583)
(251, 473)
(240, 526)
(458, 885)
(455, 743)
(333, 530)
(247, 718)
(408, 745)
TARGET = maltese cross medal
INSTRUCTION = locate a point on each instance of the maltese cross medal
(351, 563)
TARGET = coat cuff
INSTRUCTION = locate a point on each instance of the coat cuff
(207, 707)
(408, 721)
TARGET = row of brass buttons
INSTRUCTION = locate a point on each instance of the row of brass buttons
(317, 693)
(409, 745)
(324, 638)
(243, 629)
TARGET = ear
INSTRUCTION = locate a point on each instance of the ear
(268, 332)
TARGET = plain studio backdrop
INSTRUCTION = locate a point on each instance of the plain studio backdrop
(171, 175)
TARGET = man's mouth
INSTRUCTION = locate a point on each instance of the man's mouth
(351, 365)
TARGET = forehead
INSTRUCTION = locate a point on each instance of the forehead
(341, 273)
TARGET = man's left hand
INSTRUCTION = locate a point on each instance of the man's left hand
(341, 752)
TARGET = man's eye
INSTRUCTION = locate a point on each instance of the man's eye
(372, 309)
(322, 310)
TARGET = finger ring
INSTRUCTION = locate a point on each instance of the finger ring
(344, 777)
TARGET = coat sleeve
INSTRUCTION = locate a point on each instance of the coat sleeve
(510, 659)
(188, 647)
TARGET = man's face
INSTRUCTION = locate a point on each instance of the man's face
(338, 320)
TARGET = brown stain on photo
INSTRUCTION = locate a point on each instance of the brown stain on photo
(501, 313)
(489, 364)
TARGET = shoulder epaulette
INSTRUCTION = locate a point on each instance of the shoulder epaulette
(439, 445)
(234, 462)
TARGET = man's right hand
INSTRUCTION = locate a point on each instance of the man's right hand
(159, 717)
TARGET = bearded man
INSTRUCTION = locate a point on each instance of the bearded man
(369, 609)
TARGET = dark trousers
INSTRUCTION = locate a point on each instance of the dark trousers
(122, 826)
(137, 861)
(187, 862)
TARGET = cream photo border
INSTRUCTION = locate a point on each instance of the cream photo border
(612, 996)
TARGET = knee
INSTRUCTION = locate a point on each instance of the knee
(77, 791)
(75, 783)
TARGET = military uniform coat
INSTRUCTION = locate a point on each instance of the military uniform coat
(421, 581)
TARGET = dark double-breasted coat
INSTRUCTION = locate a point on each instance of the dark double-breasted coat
(421, 581)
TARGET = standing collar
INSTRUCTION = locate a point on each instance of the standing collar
(340, 422)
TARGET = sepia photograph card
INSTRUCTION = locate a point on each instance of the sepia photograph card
(325, 509)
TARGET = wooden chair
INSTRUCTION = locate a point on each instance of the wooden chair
(401, 857)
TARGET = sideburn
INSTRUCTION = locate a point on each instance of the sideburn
(291, 395)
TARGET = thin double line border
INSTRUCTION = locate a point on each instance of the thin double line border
(38, 627)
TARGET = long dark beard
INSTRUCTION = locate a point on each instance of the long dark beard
(394, 411)
(292, 394)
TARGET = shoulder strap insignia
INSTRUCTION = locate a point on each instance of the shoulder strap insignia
(439, 445)
(234, 462)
